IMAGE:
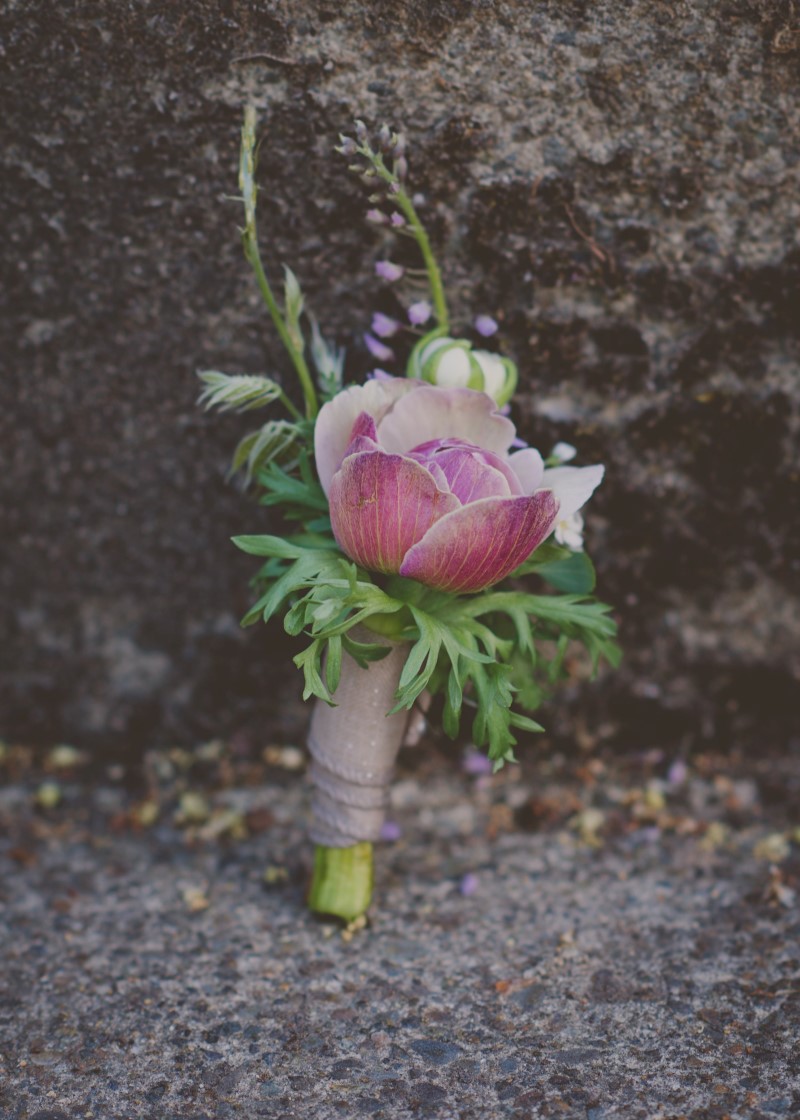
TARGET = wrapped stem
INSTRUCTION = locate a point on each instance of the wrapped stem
(353, 749)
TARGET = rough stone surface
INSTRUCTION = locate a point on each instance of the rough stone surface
(616, 183)
(627, 949)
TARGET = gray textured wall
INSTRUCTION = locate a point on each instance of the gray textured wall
(616, 182)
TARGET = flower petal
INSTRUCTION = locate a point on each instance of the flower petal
(336, 419)
(572, 486)
(381, 505)
(471, 472)
(363, 437)
(481, 543)
(528, 466)
(437, 413)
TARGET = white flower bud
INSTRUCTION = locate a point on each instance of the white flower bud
(444, 361)
(453, 368)
(499, 375)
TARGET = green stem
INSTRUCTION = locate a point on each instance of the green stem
(298, 361)
(431, 266)
(247, 183)
(291, 406)
(342, 881)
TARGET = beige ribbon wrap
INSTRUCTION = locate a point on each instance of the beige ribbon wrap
(354, 746)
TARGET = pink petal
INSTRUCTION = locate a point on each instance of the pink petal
(363, 436)
(471, 472)
(437, 413)
(381, 505)
(481, 543)
(572, 486)
(336, 419)
(528, 466)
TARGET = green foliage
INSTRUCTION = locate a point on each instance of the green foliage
(328, 362)
(293, 303)
(561, 568)
(480, 652)
(298, 494)
(238, 392)
(275, 441)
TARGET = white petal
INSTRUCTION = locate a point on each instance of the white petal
(569, 532)
(494, 372)
(435, 413)
(528, 466)
(453, 370)
(572, 486)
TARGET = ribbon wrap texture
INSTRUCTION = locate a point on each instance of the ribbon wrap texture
(354, 746)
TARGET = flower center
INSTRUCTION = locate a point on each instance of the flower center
(468, 471)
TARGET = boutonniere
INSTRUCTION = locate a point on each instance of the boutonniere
(426, 549)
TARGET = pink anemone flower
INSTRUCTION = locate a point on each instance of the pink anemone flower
(421, 484)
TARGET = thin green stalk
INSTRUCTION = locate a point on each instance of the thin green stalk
(431, 265)
(251, 251)
(254, 258)
(290, 405)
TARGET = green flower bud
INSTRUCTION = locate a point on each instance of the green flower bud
(445, 361)
(453, 364)
(499, 375)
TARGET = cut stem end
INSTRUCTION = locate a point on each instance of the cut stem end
(342, 881)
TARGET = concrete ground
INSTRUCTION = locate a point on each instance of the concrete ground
(588, 937)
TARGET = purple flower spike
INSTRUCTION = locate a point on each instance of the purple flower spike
(383, 325)
(421, 484)
(388, 270)
(397, 220)
(419, 313)
(486, 326)
(377, 349)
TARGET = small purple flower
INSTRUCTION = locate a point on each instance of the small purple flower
(677, 773)
(388, 270)
(391, 831)
(486, 326)
(376, 216)
(397, 220)
(419, 313)
(475, 763)
(469, 884)
(377, 349)
(383, 325)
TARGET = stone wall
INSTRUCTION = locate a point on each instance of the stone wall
(616, 183)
